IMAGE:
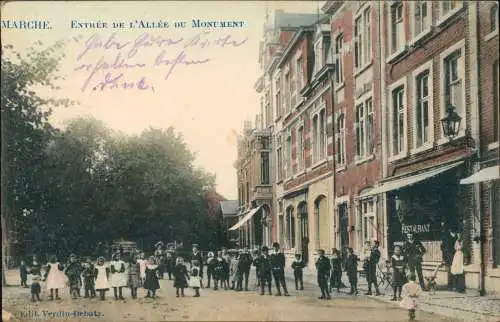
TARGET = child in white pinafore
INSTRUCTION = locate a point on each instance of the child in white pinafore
(101, 274)
(55, 277)
(195, 279)
(411, 293)
(118, 278)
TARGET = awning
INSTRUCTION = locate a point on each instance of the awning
(410, 180)
(486, 174)
(245, 219)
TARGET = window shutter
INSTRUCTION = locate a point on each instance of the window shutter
(417, 8)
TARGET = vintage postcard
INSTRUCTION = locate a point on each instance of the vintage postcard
(250, 161)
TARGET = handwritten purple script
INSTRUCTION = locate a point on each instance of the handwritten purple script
(116, 56)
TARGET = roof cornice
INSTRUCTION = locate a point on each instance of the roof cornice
(293, 42)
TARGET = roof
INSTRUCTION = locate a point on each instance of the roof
(229, 207)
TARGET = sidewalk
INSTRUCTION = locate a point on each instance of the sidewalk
(455, 305)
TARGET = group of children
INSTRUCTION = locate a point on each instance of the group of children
(100, 277)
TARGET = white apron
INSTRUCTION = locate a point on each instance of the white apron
(56, 278)
(101, 283)
(457, 266)
(118, 279)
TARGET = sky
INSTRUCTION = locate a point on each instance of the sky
(198, 80)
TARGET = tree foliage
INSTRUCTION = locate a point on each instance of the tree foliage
(71, 190)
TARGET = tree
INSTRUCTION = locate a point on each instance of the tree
(25, 132)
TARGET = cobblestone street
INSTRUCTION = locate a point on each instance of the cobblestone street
(211, 306)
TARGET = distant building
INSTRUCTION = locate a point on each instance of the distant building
(229, 210)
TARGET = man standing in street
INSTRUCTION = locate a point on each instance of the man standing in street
(278, 266)
(414, 252)
(263, 265)
(245, 264)
(372, 269)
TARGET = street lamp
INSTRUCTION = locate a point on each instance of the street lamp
(451, 122)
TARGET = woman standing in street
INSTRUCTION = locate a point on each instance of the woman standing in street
(457, 266)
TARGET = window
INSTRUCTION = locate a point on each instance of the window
(318, 59)
(358, 37)
(367, 210)
(421, 19)
(362, 39)
(341, 140)
(422, 109)
(319, 136)
(300, 148)
(494, 18)
(279, 107)
(264, 143)
(339, 72)
(268, 109)
(453, 82)
(289, 168)
(496, 105)
(449, 6)
(315, 137)
(279, 159)
(287, 92)
(397, 28)
(322, 134)
(264, 167)
(299, 73)
(398, 115)
(290, 228)
(364, 128)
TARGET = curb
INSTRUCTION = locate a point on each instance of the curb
(364, 287)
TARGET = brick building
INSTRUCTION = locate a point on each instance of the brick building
(357, 91)
(485, 179)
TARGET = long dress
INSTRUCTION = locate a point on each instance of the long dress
(56, 278)
(457, 266)
(411, 292)
(133, 270)
(180, 276)
(118, 277)
(101, 279)
(151, 281)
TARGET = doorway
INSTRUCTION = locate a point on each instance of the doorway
(304, 232)
(343, 230)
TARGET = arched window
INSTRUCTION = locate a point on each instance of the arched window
(494, 18)
(290, 228)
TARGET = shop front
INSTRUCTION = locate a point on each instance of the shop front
(432, 206)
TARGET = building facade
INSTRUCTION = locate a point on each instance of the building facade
(357, 122)
(358, 99)
(254, 186)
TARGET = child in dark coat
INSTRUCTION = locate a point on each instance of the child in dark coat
(89, 278)
(23, 272)
(298, 267)
(220, 268)
(180, 277)
(73, 271)
(151, 283)
(323, 267)
(351, 267)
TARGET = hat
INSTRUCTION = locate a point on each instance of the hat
(210, 254)
(100, 258)
(276, 244)
(160, 243)
(265, 249)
